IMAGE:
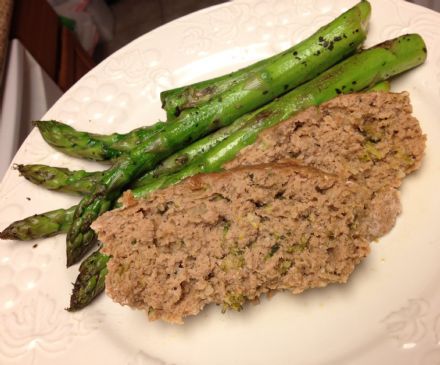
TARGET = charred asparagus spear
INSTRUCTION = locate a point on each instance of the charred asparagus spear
(359, 71)
(59, 178)
(90, 281)
(40, 225)
(97, 147)
(176, 100)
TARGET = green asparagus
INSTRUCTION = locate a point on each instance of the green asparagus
(90, 281)
(186, 155)
(380, 86)
(97, 147)
(40, 225)
(61, 179)
(85, 238)
(176, 100)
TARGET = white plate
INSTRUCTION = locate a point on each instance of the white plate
(389, 312)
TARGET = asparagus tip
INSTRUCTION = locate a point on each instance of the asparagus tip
(36, 123)
(19, 167)
(8, 234)
(44, 125)
(70, 261)
(75, 304)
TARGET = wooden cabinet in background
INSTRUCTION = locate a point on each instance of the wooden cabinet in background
(53, 46)
(74, 61)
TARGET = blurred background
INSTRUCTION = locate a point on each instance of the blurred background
(47, 45)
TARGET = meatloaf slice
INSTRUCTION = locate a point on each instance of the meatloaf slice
(232, 236)
(371, 138)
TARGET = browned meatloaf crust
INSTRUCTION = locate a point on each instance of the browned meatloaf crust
(229, 237)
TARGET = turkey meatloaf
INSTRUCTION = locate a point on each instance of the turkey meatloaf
(370, 138)
(366, 139)
(229, 237)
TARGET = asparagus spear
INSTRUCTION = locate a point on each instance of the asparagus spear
(61, 179)
(90, 281)
(176, 100)
(40, 225)
(85, 238)
(97, 147)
